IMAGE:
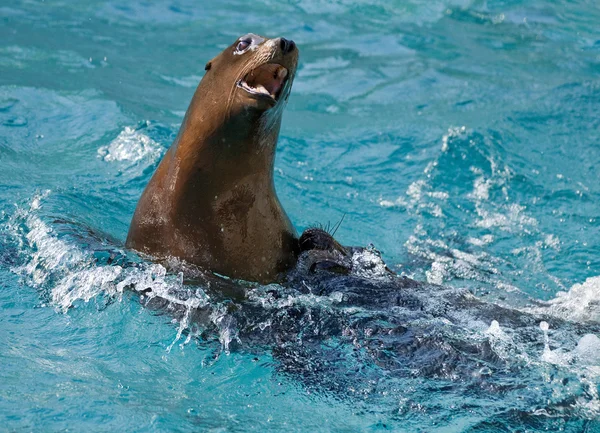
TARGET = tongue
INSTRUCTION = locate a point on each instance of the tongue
(269, 76)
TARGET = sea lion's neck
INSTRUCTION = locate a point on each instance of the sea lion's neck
(216, 152)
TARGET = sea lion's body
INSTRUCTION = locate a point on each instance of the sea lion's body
(212, 200)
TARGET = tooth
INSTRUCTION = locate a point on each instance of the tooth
(262, 89)
(282, 73)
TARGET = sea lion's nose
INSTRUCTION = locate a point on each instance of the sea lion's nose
(286, 46)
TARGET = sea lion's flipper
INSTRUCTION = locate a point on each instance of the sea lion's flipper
(320, 251)
(315, 238)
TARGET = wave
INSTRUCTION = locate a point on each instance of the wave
(367, 337)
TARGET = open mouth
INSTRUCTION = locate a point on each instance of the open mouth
(265, 81)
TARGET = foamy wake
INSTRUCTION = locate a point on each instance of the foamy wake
(66, 273)
(130, 145)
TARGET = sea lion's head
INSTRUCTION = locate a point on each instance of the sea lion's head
(258, 71)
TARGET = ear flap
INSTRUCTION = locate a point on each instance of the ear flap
(207, 67)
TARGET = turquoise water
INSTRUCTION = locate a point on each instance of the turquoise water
(460, 137)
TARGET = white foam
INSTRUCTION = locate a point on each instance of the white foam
(452, 133)
(130, 145)
(269, 302)
(552, 241)
(389, 203)
(481, 188)
(453, 262)
(583, 360)
(71, 274)
(514, 220)
(368, 263)
(49, 254)
(588, 350)
(580, 303)
(438, 273)
(482, 241)
(85, 285)
(416, 192)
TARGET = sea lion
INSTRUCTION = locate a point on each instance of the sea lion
(212, 199)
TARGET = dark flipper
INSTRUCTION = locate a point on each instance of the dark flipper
(320, 251)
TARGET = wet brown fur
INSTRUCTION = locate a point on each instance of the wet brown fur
(212, 200)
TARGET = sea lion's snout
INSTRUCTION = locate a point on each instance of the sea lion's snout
(287, 46)
(270, 68)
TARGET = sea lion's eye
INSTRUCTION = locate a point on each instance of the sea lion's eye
(243, 45)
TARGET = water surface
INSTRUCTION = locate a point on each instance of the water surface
(459, 137)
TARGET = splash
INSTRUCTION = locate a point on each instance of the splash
(131, 145)
(385, 331)
(504, 345)
(368, 263)
(66, 274)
